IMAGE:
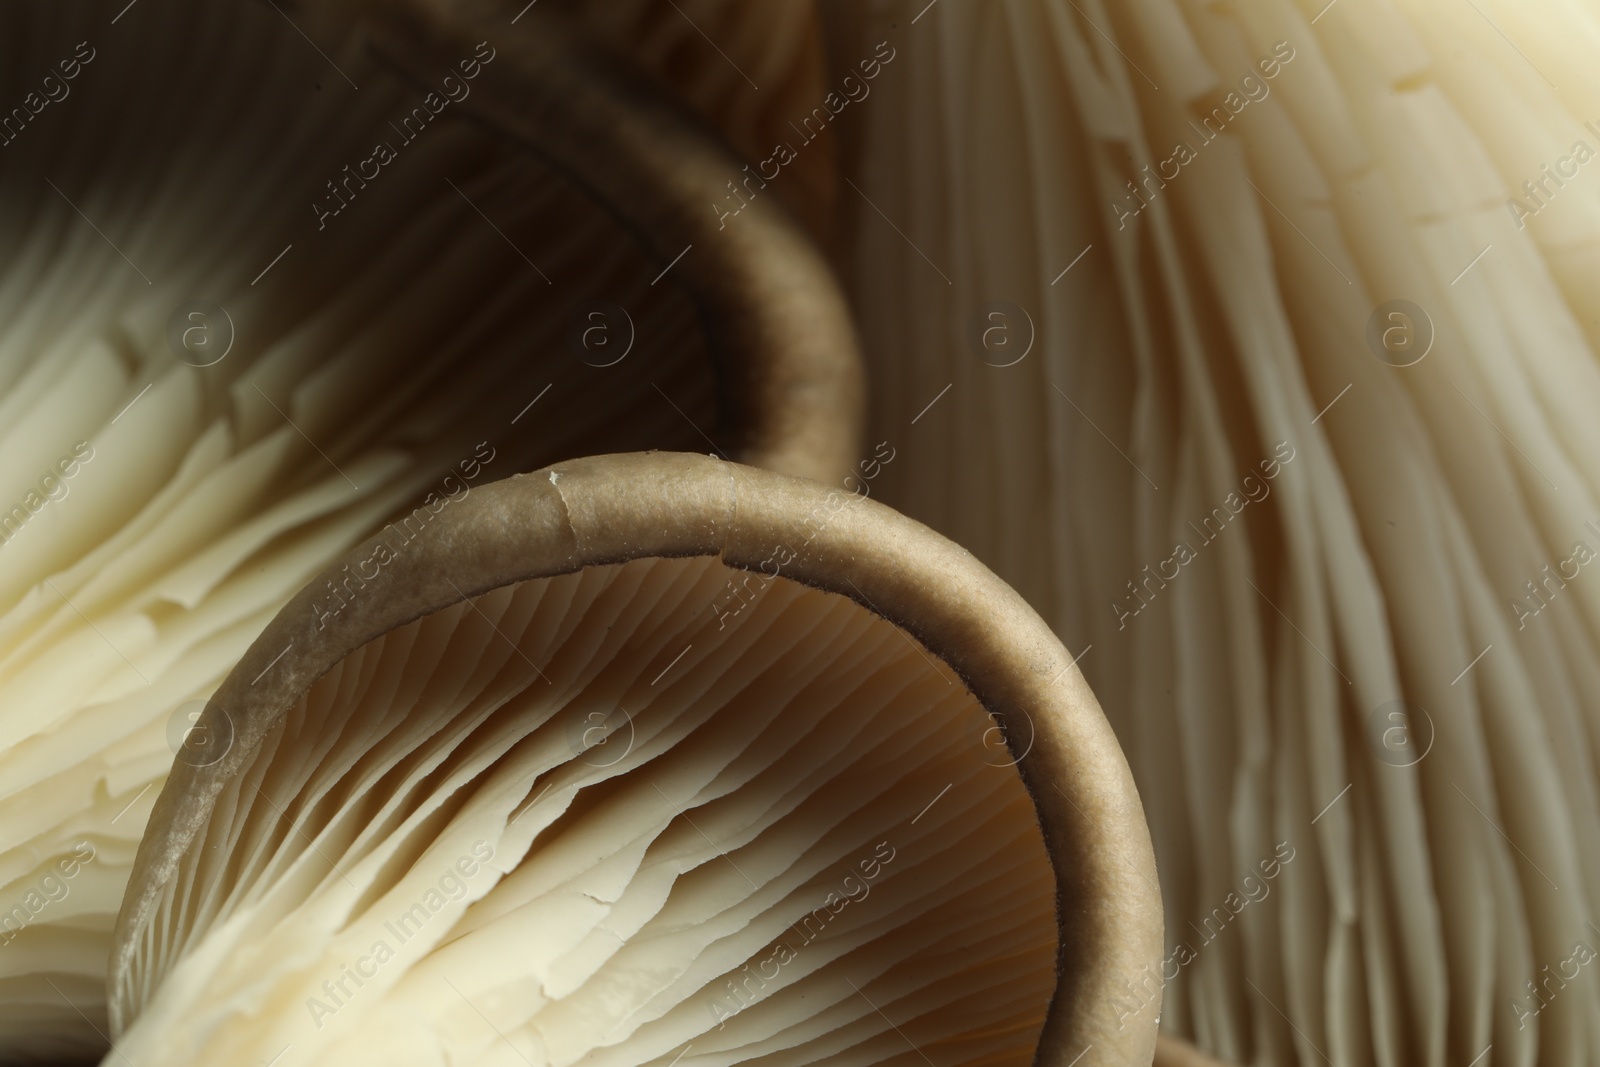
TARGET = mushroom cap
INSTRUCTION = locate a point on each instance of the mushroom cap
(614, 509)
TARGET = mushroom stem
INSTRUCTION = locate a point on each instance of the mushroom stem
(776, 322)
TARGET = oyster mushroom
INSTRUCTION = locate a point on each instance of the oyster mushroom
(582, 773)
(1383, 656)
(162, 499)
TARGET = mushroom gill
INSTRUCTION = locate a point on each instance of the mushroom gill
(419, 821)
(367, 352)
(651, 759)
(1265, 352)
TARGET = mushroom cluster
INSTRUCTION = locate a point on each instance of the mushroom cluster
(382, 679)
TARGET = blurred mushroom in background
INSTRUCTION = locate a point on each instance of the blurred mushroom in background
(1254, 344)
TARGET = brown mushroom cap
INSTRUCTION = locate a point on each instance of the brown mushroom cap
(614, 509)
